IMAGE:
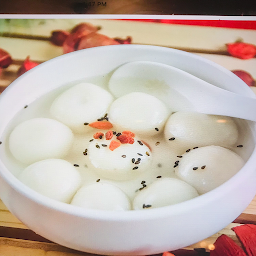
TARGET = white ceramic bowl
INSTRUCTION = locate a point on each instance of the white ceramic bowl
(132, 232)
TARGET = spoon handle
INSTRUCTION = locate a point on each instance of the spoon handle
(226, 103)
(203, 96)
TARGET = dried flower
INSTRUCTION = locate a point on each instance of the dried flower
(26, 66)
(224, 245)
(94, 40)
(128, 40)
(241, 50)
(245, 76)
(5, 59)
(72, 41)
(246, 235)
(58, 37)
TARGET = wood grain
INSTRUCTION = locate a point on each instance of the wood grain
(20, 247)
(39, 245)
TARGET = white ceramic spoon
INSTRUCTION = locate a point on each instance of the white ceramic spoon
(152, 77)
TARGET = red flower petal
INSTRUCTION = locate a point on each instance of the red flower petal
(168, 254)
(72, 41)
(94, 40)
(127, 40)
(5, 59)
(245, 76)
(58, 37)
(225, 246)
(84, 29)
(242, 50)
(26, 65)
(247, 236)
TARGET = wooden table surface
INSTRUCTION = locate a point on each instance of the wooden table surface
(22, 38)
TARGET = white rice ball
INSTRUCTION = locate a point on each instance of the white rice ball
(124, 163)
(139, 112)
(101, 196)
(208, 167)
(54, 178)
(163, 192)
(40, 138)
(82, 103)
(186, 130)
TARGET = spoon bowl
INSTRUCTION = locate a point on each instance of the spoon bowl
(165, 81)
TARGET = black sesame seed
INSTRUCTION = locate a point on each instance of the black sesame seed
(239, 146)
(140, 142)
(136, 167)
(86, 123)
(195, 168)
(133, 160)
(172, 138)
(147, 153)
(158, 177)
(139, 154)
(156, 129)
(97, 146)
(139, 159)
(188, 150)
(123, 156)
(91, 140)
(97, 180)
(100, 137)
(118, 134)
(104, 145)
(177, 162)
(146, 206)
(175, 166)
(143, 182)
(0, 142)
(137, 162)
(25, 106)
(144, 185)
(85, 152)
(195, 147)
(76, 165)
(179, 156)
(114, 133)
(202, 167)
(157, 143)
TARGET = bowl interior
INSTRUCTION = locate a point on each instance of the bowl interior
(96, 64)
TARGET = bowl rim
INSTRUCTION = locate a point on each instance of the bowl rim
(131, 215)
